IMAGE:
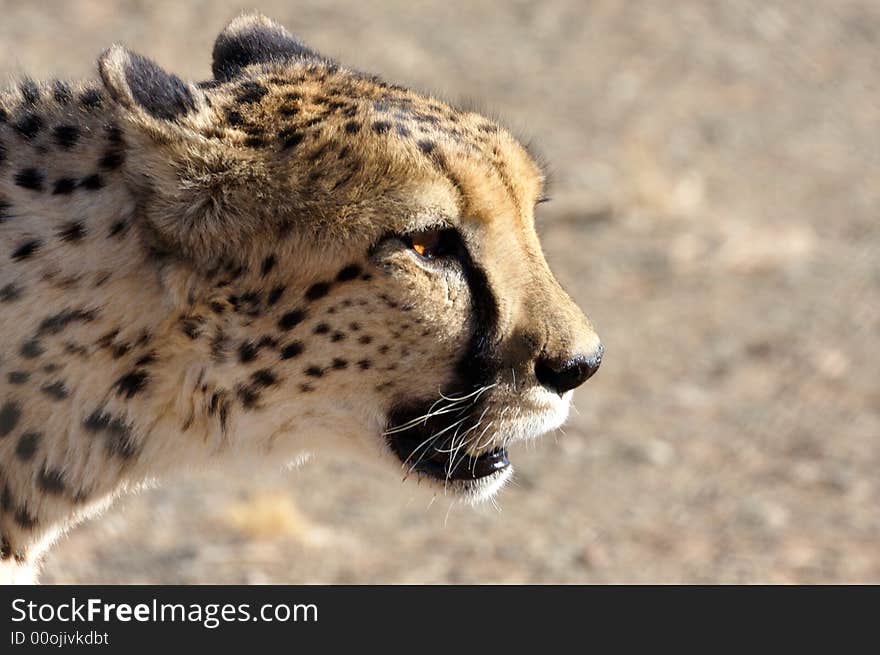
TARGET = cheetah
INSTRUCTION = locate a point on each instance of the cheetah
(290, 258)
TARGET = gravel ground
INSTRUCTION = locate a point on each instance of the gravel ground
(715, 195)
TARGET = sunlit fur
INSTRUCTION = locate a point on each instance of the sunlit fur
(193, 274)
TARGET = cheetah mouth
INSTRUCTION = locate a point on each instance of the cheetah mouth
(448, 444)
(443, 461)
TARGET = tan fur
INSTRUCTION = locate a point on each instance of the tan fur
(152, 325)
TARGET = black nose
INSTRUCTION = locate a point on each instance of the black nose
(562, 376)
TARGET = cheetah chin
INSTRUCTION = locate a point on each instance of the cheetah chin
(290, 257)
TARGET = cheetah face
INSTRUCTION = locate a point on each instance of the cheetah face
(390, 294)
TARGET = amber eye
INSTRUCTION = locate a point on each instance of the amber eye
(432, 244)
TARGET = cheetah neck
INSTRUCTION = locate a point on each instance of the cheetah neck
(84, 379)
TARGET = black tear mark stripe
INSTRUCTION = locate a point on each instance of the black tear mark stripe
(479, 364)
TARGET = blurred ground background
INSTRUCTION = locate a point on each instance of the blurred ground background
(715, 211)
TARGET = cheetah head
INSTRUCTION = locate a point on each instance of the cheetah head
(360, 260)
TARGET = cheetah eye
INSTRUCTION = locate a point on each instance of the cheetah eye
(434, 244)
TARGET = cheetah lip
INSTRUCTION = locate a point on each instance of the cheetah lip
(437, 463)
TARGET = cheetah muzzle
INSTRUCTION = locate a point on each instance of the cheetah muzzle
(289, 258)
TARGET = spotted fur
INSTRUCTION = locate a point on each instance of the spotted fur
(196, 273)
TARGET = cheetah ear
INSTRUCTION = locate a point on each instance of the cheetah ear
(142, 86)
(252, 38)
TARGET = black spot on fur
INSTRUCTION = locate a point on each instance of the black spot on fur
(120, 442)
(291, 350)
(118, 432)
(249, 397)
(63, 186)
(27, 446)
(132, 383)
(9, 292)
(55, 390)
(112, 159)
(24, 519)
(337, 336)
(30, 92)
(92, 182)
(247, 352)
(32, 349)
(18, 377)
(28, 126)
(61, 92)
(66, 136)
(268, 265)
(380, 127)
(97, 421)
(318, 290)
(146, 360)
(114, 134)
(57, 322)
(191, 326)
(72, 232)
(51, 480)
(291, 139)
(117, 228)
(365, 339)
(352, 127)
(250, 92)
(264, 378)
(365, 364)
(426, 146)
(91, 99)
(275, 295)
(26, 250)
(339, 363)
(234, 118)
(30, 178)
(10, 414)
(291, 319)
(348, 273)
(314, 371)
(321, 328)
